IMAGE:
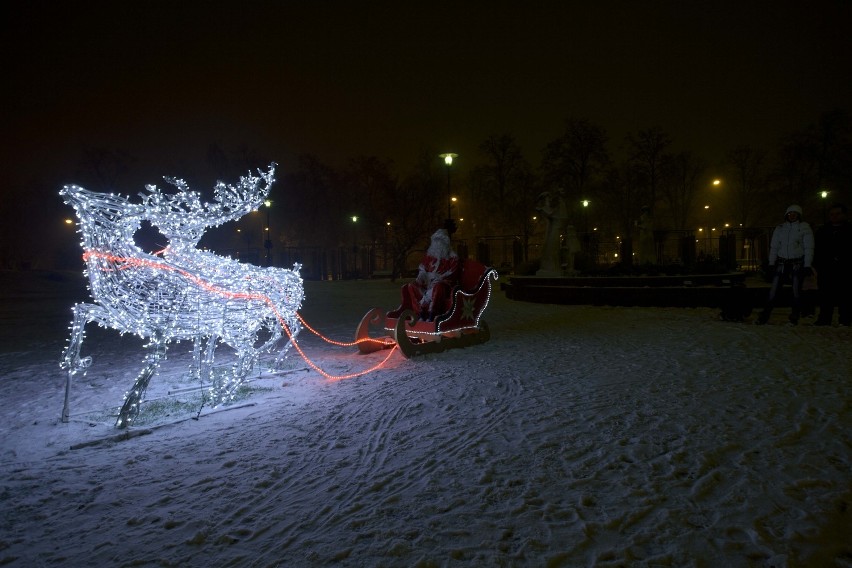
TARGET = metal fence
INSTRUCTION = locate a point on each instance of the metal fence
(745, 249)
(322, 263)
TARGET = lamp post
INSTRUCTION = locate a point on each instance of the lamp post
(455, 202)
(354, 246)
(448, 160)
(707, 237)
(268, 242)
(387, 245)
(824, 195)
(248, 241)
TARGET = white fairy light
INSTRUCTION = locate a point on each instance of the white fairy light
(181, 292)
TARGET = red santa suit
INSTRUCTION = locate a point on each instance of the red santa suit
(437, 274)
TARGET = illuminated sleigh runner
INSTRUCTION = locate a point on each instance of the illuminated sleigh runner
(461, 325)
(185, 294)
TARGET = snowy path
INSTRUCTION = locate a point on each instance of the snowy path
(577, 436)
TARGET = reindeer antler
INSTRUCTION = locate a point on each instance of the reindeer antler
(183, 215)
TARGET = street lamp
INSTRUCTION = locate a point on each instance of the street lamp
(448, 160)
(268, 242)
(355, 246)
(824, 195)
(585, 203)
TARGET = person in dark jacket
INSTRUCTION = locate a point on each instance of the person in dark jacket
(833, 267)
(791, 253)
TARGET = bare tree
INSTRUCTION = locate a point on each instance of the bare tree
(797, 168)
(833, 135)
(314, 211)
(749, 181)
(416, 210)
(621, 188)
(648, 153)
(236, 162)
(684, 172)
(504, 186)
(575, 159)
(506, 163)
(815, 157)
(369, 186)
(218, 160)
(104, 167)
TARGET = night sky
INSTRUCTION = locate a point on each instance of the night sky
(162, 81)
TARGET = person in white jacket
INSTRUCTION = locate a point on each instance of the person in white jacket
(790, 254)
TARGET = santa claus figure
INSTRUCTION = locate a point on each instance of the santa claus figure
(437, 274)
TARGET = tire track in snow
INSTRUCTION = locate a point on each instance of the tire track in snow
(381, 471)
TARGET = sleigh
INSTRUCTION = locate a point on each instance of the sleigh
(460, 325)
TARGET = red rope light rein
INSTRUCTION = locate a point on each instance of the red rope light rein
(130, 261)
(383, 340)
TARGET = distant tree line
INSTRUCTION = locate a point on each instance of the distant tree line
(315, 202)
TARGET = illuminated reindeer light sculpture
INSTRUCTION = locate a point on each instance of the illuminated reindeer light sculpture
(180, 293)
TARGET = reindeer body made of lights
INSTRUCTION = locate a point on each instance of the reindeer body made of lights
(181, 293)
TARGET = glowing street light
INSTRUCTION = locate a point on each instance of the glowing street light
(707, 234)
(448, 160)
(355, 245)
(268, 242)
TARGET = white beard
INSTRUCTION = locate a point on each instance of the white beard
(439, 246)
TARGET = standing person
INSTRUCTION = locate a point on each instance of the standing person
(791, 253)
(437, 274)
(833, 265)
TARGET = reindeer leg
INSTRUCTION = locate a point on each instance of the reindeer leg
(132, 402)
(282, 354)
(195, 369)
(71, 361)
(207, 364)
(228, 388)
(279, 359)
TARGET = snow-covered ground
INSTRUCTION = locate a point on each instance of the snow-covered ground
(578, 436)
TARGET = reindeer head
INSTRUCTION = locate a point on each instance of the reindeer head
(107, 220)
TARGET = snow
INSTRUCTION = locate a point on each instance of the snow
(578, 436)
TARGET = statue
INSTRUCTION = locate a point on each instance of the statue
(552, 206)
